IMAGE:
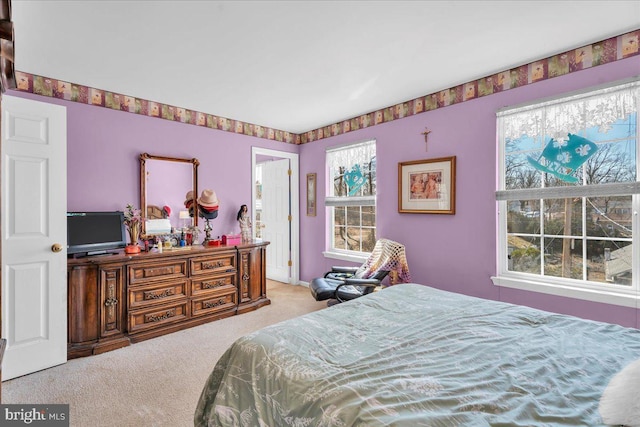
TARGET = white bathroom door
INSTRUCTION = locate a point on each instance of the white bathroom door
(34, 235)
(275, 218)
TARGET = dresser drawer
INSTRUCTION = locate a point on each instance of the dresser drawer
(220, 263)
(212, 304)
(145, 273)
(213, 285)
(157, 293)
(140, 320)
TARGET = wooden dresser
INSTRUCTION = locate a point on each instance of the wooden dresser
(115, 300)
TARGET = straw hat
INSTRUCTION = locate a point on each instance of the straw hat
(208, 199)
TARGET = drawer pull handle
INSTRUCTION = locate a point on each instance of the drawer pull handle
(110, 301)
(158, 317)
(211, 304)
(158, 295)
(211, 285)
(210, 265)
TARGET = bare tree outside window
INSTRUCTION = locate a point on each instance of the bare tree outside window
(581, 238)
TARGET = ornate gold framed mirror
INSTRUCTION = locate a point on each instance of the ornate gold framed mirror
(165, 183)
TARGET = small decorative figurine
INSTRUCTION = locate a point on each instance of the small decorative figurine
(245, 223)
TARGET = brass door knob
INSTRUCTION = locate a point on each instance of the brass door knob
(56, 247)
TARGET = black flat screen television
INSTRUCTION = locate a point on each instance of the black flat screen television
(95, 233)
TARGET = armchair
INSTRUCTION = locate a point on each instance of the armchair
(347, 283)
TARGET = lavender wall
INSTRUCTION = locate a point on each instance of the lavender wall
(453, 252)
(103, 170)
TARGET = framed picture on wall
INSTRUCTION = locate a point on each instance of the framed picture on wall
(311, 194)
(427, 186)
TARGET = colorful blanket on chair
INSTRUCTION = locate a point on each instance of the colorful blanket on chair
(389, 256)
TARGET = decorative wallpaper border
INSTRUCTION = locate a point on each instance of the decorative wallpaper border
(603, 52)
(60, 89)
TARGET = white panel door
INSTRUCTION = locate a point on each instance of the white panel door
(275, 218)
(34, 199)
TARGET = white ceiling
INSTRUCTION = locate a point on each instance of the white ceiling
(298, 65)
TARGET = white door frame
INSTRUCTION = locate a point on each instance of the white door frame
(295, 203)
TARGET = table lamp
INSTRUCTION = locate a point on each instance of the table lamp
(184, 216)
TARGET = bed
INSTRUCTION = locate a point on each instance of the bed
(412, 355)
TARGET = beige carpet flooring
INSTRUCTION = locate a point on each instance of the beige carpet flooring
(155, 382)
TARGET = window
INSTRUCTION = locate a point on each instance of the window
(569, 196)
(352, 197)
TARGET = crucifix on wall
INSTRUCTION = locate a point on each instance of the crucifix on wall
(426, 137)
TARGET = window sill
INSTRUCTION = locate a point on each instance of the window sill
(621, 297)
(346, 257)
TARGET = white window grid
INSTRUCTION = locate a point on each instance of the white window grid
(529, 281)
(359, 200)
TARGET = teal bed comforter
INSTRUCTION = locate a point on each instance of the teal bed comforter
(412, 355)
